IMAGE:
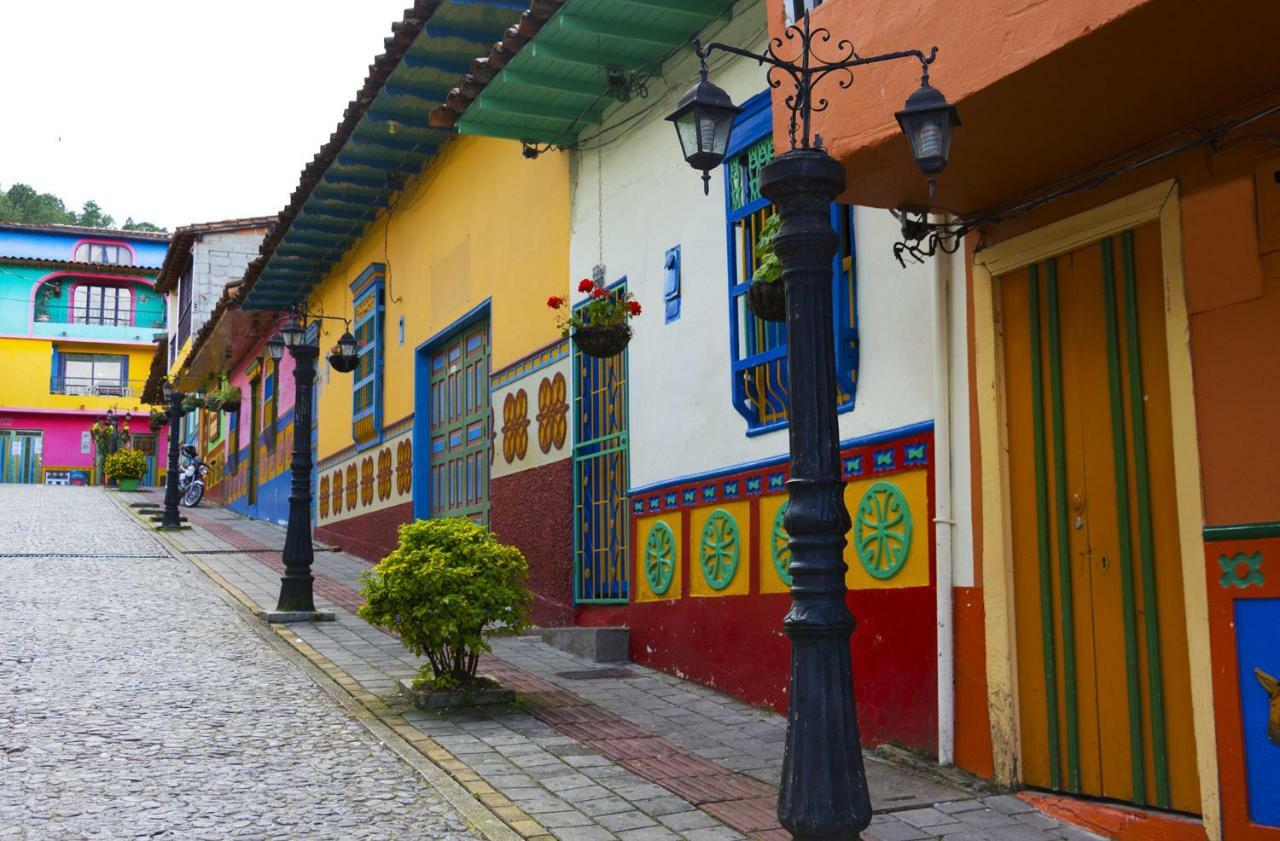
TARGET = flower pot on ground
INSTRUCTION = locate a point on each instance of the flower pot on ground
(126, 467)
(446, 582)
(601, 325)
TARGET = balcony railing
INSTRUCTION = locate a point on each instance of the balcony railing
(65, 314)
(85, 387)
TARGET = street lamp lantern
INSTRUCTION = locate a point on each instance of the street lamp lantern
(823, 794)
(343, 356)
(703, 121)
(275, 348)
(166, 388)
(293, 332)
(927, 120)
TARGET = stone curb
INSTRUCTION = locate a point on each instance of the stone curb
(489, 812)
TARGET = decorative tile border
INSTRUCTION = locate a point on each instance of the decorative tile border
(535, 361)
(881, 455)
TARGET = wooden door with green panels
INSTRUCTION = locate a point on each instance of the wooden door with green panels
(1103, 676)
(461, 446)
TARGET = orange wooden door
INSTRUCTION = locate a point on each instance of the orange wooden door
(1103, 678)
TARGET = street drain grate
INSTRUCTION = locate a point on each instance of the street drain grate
(596, 674)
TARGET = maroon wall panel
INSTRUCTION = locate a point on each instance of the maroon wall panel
(533, 510)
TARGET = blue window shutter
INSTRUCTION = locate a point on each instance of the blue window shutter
(671, 283)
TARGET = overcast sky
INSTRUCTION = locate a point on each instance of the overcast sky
(178, 111)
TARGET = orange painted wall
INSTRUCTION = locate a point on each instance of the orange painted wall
(1043, 88)
(973, 723)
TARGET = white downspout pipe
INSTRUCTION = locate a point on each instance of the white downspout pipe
(944, 524)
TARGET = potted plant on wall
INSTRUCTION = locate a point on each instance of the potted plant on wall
(601, 327)
(126, 467)
(767, 296)
(223, 399)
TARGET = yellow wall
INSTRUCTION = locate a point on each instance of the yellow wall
(26, 368)
(481, 222)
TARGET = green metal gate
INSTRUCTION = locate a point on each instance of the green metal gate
(459, 426)
(600, 479)
(20, 456)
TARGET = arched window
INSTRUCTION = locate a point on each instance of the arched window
(102, 304)
(109, 253)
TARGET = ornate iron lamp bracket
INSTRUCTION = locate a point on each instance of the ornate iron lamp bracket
(807, 69)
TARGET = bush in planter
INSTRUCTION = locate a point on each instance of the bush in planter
(446, 581)
(123, 465)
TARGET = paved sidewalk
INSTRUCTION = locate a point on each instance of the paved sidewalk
(586, 753)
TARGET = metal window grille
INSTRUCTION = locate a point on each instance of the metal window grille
(759, 348)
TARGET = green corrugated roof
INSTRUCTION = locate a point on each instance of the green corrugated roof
(356, 172)
(558, 84)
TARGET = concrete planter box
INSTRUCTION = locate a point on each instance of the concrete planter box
(481, 696)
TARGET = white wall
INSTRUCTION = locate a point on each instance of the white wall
(681, 417)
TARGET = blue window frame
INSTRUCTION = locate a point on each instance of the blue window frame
(369, 329)
(758, 349)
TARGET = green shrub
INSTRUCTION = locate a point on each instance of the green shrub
(446, 581)
(126, 464)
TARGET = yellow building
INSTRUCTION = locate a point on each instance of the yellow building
(439, 254)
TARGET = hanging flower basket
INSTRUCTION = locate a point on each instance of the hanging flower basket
(231, 407)
(602, 342)
(768, 301)
(601, 325)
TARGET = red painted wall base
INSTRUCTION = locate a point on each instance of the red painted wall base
(737, 645)
(533, 510)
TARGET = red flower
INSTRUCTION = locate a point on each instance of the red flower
(555, 302)
(598, 292)
(586, 285)
(634, 307)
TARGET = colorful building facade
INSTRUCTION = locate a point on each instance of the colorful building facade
(680, 444)
(1115, 632)
(80, 312)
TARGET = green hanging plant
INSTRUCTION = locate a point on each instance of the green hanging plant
(768, 266)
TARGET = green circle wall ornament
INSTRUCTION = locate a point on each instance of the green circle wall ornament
(720, 549)
(660, 558)
(780, 547)
(882, 530)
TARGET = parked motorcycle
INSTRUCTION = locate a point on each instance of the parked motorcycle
(191, 478)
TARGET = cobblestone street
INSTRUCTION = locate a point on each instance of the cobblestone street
(135, 702)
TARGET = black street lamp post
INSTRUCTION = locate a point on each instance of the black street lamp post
(823, 795)
(172, 519)
(296, 584)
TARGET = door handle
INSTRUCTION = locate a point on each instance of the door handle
(1105, 563)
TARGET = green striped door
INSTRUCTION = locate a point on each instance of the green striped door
(1103, 675)
(20, 456)
(460, 444)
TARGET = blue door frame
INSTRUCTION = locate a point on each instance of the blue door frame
(422, 403)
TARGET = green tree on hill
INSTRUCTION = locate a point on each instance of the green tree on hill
(23, 205)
